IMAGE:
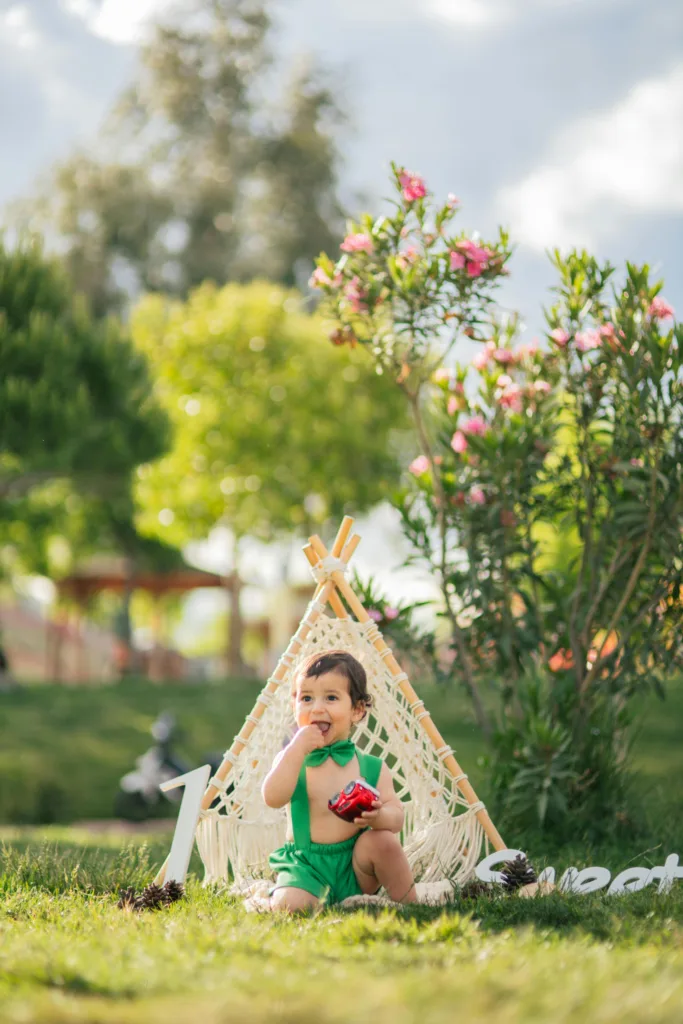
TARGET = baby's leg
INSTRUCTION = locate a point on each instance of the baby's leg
(293, 900)
(378, 859)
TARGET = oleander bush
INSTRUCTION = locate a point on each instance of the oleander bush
(547, 496)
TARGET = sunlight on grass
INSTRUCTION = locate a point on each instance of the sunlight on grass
(76, 957)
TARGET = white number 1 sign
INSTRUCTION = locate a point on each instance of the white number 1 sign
(195, 784)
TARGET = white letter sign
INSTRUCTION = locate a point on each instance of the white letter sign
(589, 879)
(195, 784)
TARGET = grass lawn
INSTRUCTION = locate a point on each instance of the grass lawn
(63, 749)
(68, 954)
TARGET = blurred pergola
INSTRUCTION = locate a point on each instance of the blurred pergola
(121, 575)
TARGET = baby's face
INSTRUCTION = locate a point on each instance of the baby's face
(325, 701)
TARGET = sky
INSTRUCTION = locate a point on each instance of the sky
(560, 119)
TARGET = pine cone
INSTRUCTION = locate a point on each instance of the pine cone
(152, 897)
(128, 899)
(516, 873)
(173, 891)
(473, 889)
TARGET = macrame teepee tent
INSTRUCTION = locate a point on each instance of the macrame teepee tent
(445, 824)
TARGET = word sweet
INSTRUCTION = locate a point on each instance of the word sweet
(590, 879)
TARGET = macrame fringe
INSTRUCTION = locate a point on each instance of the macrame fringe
(441, 835)
(449, 848)
(225, 841)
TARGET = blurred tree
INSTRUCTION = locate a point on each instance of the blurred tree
(200, 174)
(75, 395)
(75, 403)
(275, 430)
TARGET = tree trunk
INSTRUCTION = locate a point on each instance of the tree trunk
(234, 664)
(125, 630)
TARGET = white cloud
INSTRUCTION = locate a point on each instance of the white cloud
(124, 21)
(468, 13)
(36, 54)
(476, 14)
(17, 28)
(119, 21)
(625, 159)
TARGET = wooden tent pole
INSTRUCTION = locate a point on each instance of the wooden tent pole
(411, 696)
(322, 595)
(240, 741)
(334, 599)
(341, 538)
(295, 645)
(340, 549)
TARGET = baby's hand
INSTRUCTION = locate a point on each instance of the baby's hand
(308, 738)
(368, 818)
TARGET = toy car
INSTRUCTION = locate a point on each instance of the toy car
(356, 796)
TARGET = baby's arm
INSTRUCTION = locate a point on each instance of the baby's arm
(280, 782)
(389, 812)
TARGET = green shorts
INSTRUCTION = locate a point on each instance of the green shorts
(323, 869)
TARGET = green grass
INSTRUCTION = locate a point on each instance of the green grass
(68, 954)
(63, 749)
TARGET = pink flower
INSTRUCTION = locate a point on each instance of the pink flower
(391, 613)
(356, 295)
(480, 360)
(407, 256)
(477, 496)
(541, 387)
(452, 406)
(442, 375)
(512, 398)
(452, 200)
(413, 186)
(374, 615)
(587, 340)
(607, 330)
(637, 462)
(320, 279)
(504, 355)
(504, 381)
(560, 336)
(477, 253)
(470, 255)
(419, 465)
(660, 309)
(459, 442)
(357, 243)
(475, 425)
(527, 351)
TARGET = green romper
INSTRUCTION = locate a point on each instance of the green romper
(323, 869)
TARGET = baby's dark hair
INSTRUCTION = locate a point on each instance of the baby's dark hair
(346, 665)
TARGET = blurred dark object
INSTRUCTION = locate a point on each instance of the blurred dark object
(7, 680)
(139, 795)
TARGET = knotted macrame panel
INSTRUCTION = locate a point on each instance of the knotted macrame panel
(441, 836)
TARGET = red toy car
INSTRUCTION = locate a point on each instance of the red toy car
(356, 796)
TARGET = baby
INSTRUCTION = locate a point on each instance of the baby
(326, 859)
